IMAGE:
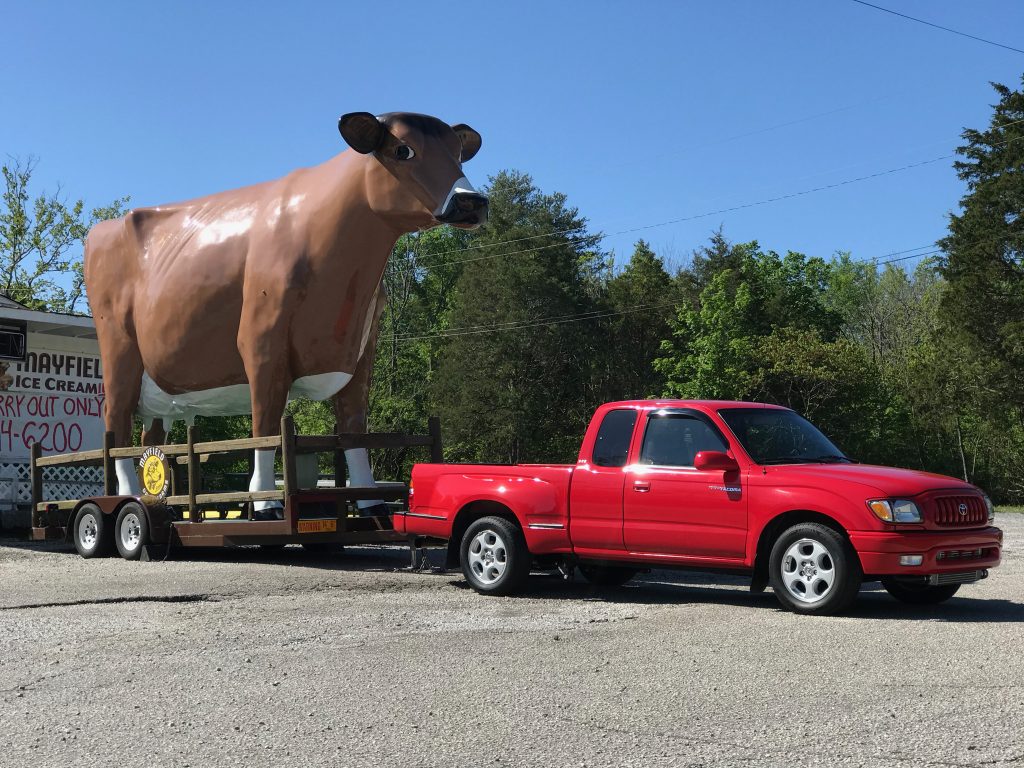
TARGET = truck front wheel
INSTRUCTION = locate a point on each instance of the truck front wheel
(919, 594)
(812, 569)
(495, 560)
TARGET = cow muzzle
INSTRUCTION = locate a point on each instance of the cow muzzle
(464, 206)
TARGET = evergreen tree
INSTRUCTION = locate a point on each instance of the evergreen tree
(984, 252)
(512, 381)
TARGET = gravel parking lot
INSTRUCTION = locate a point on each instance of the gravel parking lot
(250, 658)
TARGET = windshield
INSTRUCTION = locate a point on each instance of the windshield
(777, 436)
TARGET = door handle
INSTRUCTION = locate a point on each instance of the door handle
(641, 486)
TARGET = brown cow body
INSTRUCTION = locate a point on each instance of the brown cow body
(235, 301)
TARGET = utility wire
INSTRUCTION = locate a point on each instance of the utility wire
(938, 26)
(516, 325)
(569, 230)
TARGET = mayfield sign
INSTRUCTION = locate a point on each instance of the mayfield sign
(52, 398)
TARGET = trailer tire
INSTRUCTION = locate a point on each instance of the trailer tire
(90, 531)
(131, 531)
(495, 560)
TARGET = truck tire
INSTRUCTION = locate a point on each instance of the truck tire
(495, 560)
(90, 531)
(131, 531)
(607, 575)
(813, 570)
(919, 594)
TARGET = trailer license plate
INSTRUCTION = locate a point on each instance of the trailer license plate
(318, 526)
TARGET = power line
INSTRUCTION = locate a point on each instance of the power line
(517, 325)
(683, 219)
(557, 233)
(938, 26)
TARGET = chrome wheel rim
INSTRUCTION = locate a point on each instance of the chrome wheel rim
(808, 571)
(488, 556)
(131, 532)
(88, 530)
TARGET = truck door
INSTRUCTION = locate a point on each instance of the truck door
(672, 508)
(595, 495)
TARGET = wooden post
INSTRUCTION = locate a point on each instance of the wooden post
(339, 461)
(195, 477)
(109, 474)
(436, 452)
(288, 455)
(35, 475)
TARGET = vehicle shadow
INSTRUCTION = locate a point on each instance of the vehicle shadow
(653, 588)
(667, 587)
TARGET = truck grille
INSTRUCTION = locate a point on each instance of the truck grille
(960, 511)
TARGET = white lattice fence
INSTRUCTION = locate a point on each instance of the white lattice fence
(58, 483)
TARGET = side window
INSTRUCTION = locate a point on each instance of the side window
(612, 446)
(673, 440)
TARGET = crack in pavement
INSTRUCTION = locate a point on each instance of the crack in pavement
(196, 598)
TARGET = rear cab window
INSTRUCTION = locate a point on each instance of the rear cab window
(611, 448)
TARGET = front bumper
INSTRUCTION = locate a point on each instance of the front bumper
(880, 551)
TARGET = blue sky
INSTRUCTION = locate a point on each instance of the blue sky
(640, 112)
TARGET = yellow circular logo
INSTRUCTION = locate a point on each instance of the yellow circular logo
(153, 473)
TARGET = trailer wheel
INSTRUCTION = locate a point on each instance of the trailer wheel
(131, 531)
(495, 560)
(90, 531)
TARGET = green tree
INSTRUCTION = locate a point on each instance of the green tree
(514, 378)
(985, 247)
(712, 348)
(643, 294)
(40, 242)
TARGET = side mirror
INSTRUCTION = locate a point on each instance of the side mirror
(715, 460)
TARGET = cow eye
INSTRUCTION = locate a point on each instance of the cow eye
(404, 152)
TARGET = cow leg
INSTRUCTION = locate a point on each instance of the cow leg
(122, 384)
(351, 408)
(269, 382)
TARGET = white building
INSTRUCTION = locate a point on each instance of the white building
(51, 392)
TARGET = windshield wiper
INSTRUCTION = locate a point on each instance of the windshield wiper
(831, 458)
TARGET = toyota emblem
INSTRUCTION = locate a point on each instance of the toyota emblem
(963, 510)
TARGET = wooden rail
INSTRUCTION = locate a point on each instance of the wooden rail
(194, 453)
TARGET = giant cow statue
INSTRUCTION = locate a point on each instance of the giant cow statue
(236, 302)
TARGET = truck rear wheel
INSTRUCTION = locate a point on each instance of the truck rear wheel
(607, 575)
(919, 594)
(812, 569)
(495, 560)
(131, 531)
(90, 531)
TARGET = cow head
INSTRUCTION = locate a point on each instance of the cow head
(417, 179)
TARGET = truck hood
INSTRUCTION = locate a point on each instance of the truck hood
(884, 481)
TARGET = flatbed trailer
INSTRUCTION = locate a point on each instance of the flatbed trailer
(148, 527)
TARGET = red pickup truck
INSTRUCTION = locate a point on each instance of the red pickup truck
(710, 485)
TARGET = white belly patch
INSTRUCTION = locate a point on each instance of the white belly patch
(235, 400)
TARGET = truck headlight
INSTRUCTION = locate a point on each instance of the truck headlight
(895, 510)
(991, 510)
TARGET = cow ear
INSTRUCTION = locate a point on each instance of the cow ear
(362, 131)
(470, 139)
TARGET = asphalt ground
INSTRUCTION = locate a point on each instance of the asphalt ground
(249, 658)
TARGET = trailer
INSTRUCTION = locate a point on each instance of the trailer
(176, 511)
